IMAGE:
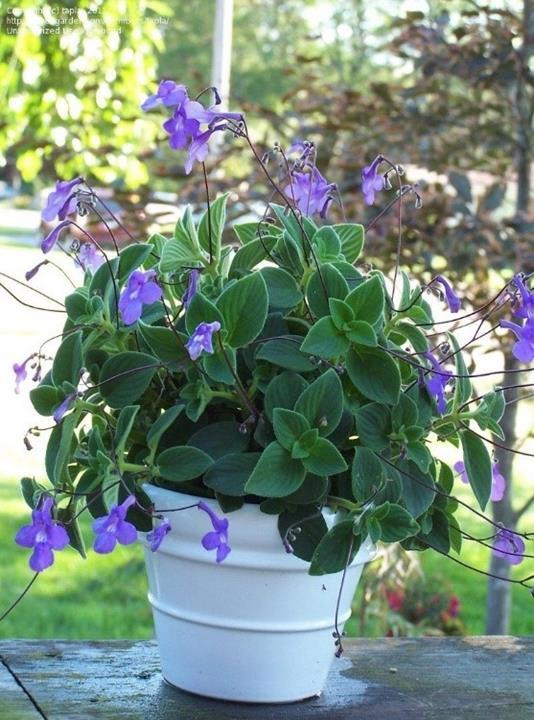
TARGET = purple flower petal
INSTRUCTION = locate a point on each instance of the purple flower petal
(156, 536)
(42, 557)
(222, 552)
(211, 540)
(25, 537)
(105, 543)
(63, 408)
(61, 202)
(372, 182)
(126, 533)
(202, 339)
(58, 537)
(140, 289)
(310, 192)
(52, 237)
(453, 301)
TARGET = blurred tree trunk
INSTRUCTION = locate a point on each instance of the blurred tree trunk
(499, 591)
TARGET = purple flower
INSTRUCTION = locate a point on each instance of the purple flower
(523, 349)
(114, 528)
(198, 150)
(52, 237)
(43, 535)
(525, 309)
(219, 537)
(63, 408)
(202, 339)
(192, 285)
(168, 94)
(372, 182)
(61, 201)
(140, 290)
(89, 258)
(155, 537)
(20, 374)
(310, 192)
(453, 301)
(436, 381)
(498, 482)
(509, 546)
(184, 124)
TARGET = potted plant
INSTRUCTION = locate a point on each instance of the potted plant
(259, 413)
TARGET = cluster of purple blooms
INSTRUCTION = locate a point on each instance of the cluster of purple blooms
(44, 534)
(523, 349)
(191, 125)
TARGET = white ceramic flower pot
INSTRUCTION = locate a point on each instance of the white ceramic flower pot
(255, 628)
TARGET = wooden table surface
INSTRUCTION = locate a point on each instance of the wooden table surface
(474, 678)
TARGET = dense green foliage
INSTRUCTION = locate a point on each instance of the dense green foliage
(311, 397)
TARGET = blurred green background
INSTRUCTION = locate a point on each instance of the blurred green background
(445, 88)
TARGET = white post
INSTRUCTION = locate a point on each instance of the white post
(222, 49)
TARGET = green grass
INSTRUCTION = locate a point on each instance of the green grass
(105, 597)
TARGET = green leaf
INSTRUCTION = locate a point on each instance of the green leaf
(289, 221)
(162, 424)
(327, 244)
(282, 288)
(312, 528)
(250, 231)
(286, 354)
(325, 340)
(68, 361)
(367, 300)
(415, 337)
(396, 523)
(324, 459)
(439, 536)
(462, 389)
(418, 492)
(45, 399)
(282, 392)
(124, 427)
(352, 239)
(361, 333)
(58, 450)
(76, 304)
(321, 403)
(276, 474)
(373, 425)
(244, 306)
(219, 439)
(313, 490)
(216, 365)
(131, 258)
(375, 374)
(178, 251)
(289, 426)
(125, 377)
(182, 463)
(215, 219)
(201, 310)
(332, 553)
(318, 295)
(340, 312)
(230, 473)
(477, 465)
(248, 256)
(367, 474)
(166, 344)
(420, 454)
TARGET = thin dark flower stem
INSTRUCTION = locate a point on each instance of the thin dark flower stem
(438, 491)
(288, 204)
(19, 598)
(496, 444)
(31, 288)
(238, 384)
(338, 634)
(482, 541)
(111, 214)
(33, 307)
(61, 270)
(110, 231)
(208, 203)
(108, 263)
(524, 582)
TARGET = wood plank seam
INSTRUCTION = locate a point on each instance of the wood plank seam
(15, 677)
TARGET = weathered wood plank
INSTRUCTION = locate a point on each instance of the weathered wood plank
(401, 679)
(14, 703)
